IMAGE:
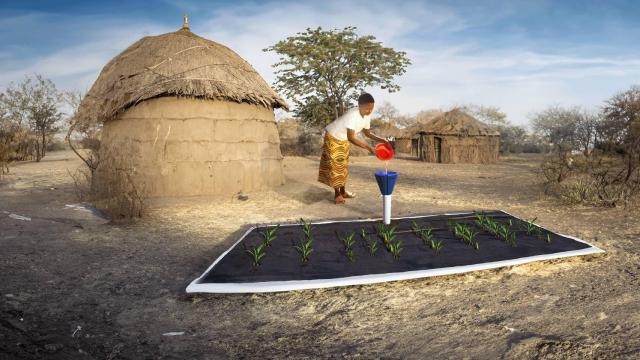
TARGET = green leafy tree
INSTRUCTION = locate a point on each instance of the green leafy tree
(323, 71)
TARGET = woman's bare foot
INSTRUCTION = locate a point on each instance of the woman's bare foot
(348, 195)
(339, 200)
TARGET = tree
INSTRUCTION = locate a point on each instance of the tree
(323, 71)
(34, 103)
(404, 121)
(558, 126)
(587, 134)
(621, 118)
(387, 112)
(489, 115)
(513, 138)
(622, 125)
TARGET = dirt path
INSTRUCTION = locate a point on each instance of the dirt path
(74, 287)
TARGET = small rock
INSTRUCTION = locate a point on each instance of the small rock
(510, 329)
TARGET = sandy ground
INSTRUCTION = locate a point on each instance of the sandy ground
(74, 287)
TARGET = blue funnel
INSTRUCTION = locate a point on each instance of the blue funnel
(386, 181)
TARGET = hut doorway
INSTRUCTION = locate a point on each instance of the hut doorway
(438, 149)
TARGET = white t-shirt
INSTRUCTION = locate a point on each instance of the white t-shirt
(349, 120)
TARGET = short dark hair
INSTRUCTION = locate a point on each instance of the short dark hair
(365, 98)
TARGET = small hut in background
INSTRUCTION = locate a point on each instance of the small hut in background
(189, 115)
(455, 137)
(387, 129)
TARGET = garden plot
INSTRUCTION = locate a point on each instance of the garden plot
(340, 253)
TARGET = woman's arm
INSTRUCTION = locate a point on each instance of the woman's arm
(351, 135)
(373, 136)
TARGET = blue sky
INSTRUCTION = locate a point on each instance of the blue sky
(520, 56)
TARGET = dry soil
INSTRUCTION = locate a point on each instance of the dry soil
(73, 286)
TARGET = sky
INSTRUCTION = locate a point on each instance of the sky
(520, 56)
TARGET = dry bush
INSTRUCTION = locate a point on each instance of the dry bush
(297, 139)
(112, 183)
(599, 180)
(56, 144)
(119, 189)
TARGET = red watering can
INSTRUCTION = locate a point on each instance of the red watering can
(384, 151)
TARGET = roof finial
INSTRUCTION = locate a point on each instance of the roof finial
(185, 24)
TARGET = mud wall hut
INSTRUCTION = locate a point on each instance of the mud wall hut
(188, 116)
(455, 137)
(387, 129)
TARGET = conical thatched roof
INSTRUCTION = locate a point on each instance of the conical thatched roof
(455, 122)
(180, 63)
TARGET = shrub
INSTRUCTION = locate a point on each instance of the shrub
(113, 185)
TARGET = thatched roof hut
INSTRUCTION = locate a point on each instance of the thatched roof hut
(192, 116)
(455, 137)
(387, 129)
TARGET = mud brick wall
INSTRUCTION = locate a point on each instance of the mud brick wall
(187, 147)
(460, 149)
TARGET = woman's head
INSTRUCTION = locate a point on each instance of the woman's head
(365, 103)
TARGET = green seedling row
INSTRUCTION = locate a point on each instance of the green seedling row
(426, 235)
(372, 244)
(466, 234)
(348, 245)
(388, 235)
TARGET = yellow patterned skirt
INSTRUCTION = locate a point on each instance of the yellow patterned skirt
(334, 162)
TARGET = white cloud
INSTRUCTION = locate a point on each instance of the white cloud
(444, 72)
(77, 66)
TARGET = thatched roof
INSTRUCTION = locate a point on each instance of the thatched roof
(455, 122)
(180, 63)
(386, 129)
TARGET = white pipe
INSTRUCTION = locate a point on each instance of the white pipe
(386, 209)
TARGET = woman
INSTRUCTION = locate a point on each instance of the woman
(337, 139)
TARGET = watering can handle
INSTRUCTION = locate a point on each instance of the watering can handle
(392, 141)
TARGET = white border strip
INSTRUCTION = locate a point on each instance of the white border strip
(277, 286)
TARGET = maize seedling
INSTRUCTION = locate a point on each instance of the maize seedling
(464, 232)
(306, 229)
(395, 247)
(491, 225)
(257, 253)
(530, 225)
(269, 235)
(348, 245)
(480, 221)
(388, 234)
(305, 249)
(417, 229)
(436, 245)
(372, 244)
(424, 233)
